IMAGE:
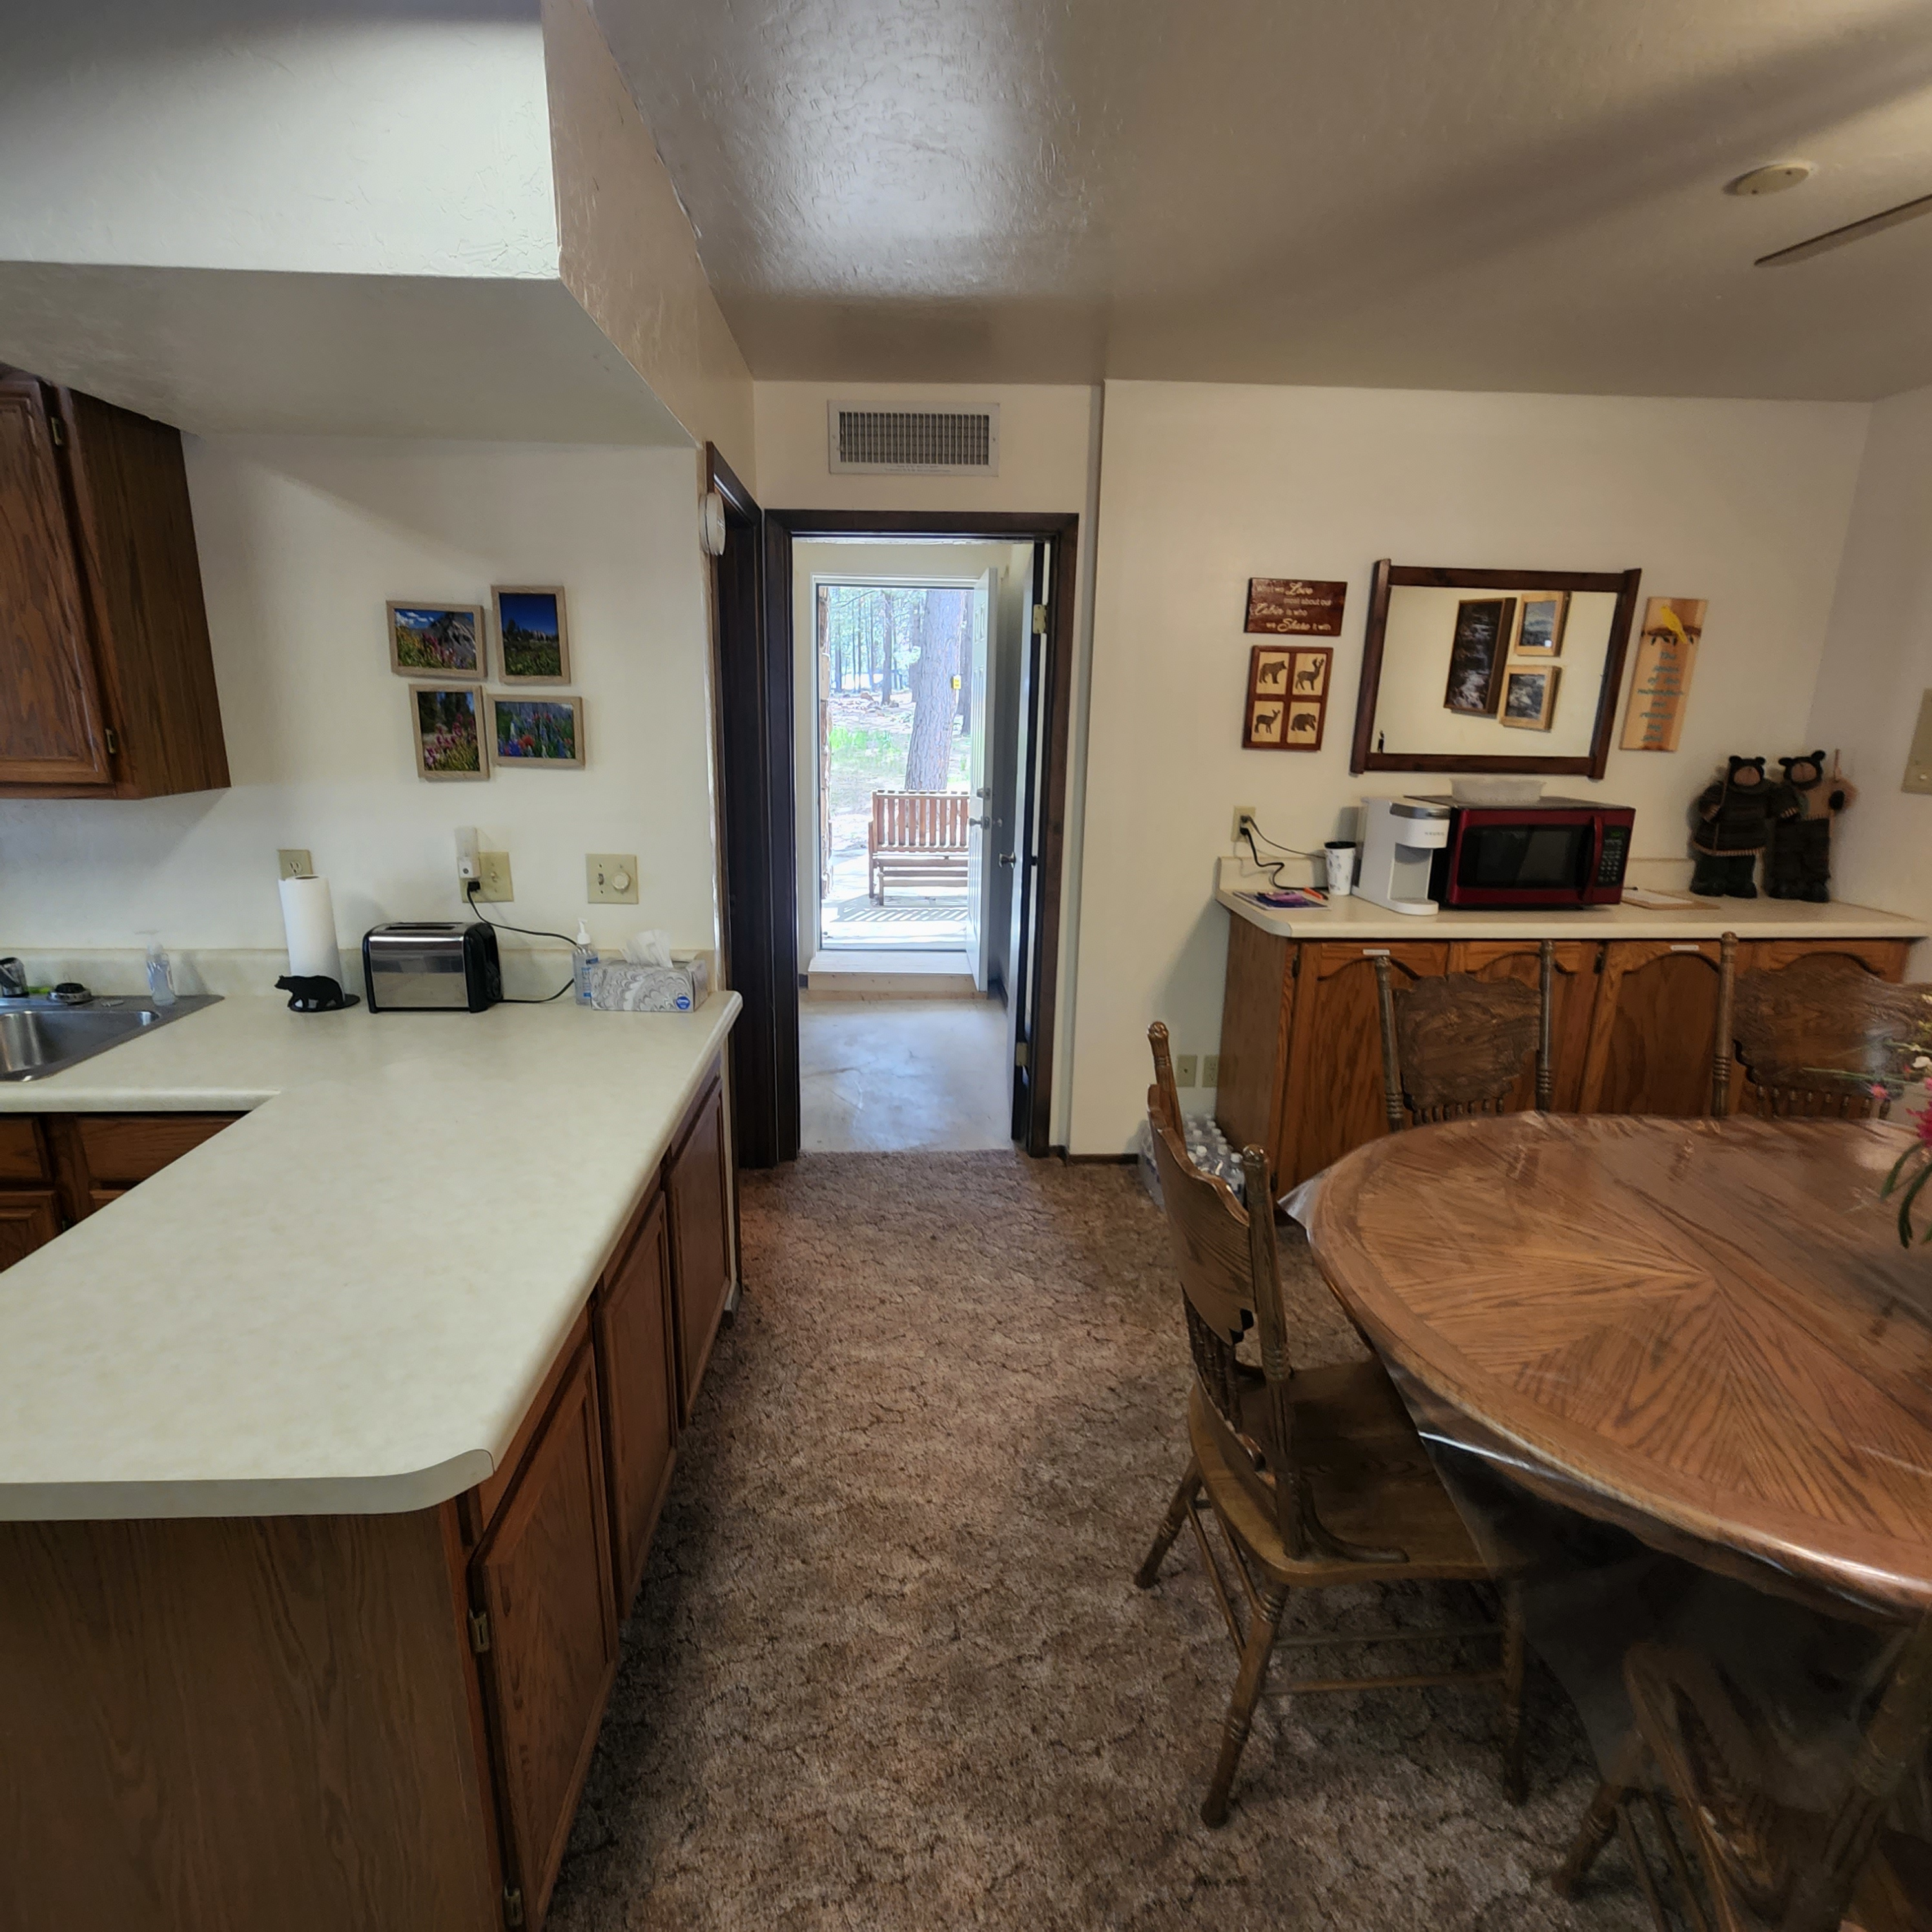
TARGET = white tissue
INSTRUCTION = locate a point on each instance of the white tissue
(648, 949)
(308, 916)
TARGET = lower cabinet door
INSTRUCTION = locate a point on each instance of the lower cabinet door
(548, 1649)
(1572, 994)
(697, 1192)
(29, 1219)
(1654, 1034)
(637, 1380)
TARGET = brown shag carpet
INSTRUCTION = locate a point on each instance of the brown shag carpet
(888, 1671)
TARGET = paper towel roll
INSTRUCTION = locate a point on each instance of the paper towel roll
(308, 916)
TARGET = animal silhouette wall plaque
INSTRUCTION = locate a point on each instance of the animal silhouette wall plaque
(1287, 705)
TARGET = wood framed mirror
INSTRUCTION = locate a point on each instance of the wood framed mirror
(1492, 670)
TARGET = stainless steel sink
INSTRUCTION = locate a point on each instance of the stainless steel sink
(38, 1037)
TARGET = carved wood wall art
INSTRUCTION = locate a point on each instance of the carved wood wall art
(1304, 606)
(1286, 708)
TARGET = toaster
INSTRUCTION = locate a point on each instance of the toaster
(431, 966)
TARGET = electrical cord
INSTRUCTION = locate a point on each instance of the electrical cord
(470, 889)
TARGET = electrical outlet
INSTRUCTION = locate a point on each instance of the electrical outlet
(1918, 759)
(1184, 1070)
(493, 878)
(610, 878)
(1211, 1070)
(1243, 814)
(293, 862)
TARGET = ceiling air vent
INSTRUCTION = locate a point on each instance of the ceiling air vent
(930, 443)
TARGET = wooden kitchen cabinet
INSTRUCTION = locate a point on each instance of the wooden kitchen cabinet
(104, 652)
(697, 1192)
(1573, 998)
(637, 1370)
(1335, 1046)
(1653, 1033)
(30, 1214)
(547, 1643)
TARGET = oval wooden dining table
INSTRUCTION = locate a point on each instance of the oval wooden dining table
(1707, 1331)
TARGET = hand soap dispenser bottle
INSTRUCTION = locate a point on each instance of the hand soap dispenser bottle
(583, 964)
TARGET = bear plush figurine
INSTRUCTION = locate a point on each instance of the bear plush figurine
(1730, 827)
(1797, 861)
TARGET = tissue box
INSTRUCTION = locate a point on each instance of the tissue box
(619, 987)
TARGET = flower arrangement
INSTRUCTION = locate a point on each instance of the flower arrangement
(1912, 1063)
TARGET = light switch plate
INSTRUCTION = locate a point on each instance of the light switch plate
(1184, 1070)
(493, 875)
(603, 872)
(1919, 759)
(293, 862)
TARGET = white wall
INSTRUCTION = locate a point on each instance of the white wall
(370, 139)
(1745, 504)
(302, 540)
(1049, 461)
(1877, 665)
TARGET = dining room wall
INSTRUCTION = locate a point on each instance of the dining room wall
(1876, 667)
(1745, 504)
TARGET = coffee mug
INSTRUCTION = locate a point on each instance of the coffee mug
(1340, 854)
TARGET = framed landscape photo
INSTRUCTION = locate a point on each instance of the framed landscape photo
(544, 731)
(1539, 631)
(1476, 653)
(1529, 698)
(435, 639)
(448, 726)
(533, 633)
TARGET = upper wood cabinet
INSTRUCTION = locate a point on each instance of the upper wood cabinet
(107, 680)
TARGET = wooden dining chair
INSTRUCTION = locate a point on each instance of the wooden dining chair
(1754, 1864)
(1816, 1039)
(1453, 1045)
(1316, 1478)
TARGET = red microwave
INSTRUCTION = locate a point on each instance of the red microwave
(1557, 852)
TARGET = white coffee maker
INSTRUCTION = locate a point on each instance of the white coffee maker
(1400, 838)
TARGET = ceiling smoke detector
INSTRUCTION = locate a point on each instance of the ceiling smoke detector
(1774, 178)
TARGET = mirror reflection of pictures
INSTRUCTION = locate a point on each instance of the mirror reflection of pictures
(538, 730)
(442, 639)
(533, 633)
(1311, 674)
(449, 741)
(1476, 654)
(1264, 721)
(1529, 700)
(1539, 629)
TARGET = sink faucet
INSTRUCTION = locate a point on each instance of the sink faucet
(12, 979)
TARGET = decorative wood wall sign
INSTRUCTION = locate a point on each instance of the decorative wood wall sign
(1288, 698)
(1666, 655)
(1296, 607)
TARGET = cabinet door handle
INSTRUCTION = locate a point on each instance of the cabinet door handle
(1692, 947)
(1376, 952)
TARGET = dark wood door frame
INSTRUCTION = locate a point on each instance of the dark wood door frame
(1060, 529)
(758, 911)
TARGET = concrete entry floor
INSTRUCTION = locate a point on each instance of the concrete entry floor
(886, 1075)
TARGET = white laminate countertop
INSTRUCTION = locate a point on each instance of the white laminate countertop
(1356, 918)
(344, 1303)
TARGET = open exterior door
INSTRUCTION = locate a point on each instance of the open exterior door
(980, 874)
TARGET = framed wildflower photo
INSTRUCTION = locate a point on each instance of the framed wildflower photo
(435, 640)
(545, 731)
(447, 723)
(533, 633)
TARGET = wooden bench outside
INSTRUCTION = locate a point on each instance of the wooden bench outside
(916, 838)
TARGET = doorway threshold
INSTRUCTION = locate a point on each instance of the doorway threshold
(879, 973)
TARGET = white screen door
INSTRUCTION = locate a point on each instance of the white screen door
(979, 819)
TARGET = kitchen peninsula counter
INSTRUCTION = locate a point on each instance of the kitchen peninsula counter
(346, 1301)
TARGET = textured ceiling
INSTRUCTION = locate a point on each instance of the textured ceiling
(1519, 194)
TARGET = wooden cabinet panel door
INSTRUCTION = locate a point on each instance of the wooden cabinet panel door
(1572, 999)
(542, 1575)
(29, 1219)
(697, 1192)
(1334, 1098)
(1654, 1034)
(1883, 957)
(51, 726)
(637, 1379)
(1257, 1001)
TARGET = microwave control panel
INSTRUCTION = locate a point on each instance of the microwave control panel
(1616, 854)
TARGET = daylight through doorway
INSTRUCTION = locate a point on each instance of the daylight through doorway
(901, 688)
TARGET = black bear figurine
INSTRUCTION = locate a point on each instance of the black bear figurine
(1729, 831)
(1798, 864)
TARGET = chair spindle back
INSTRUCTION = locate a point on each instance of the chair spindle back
(1453, 1045)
